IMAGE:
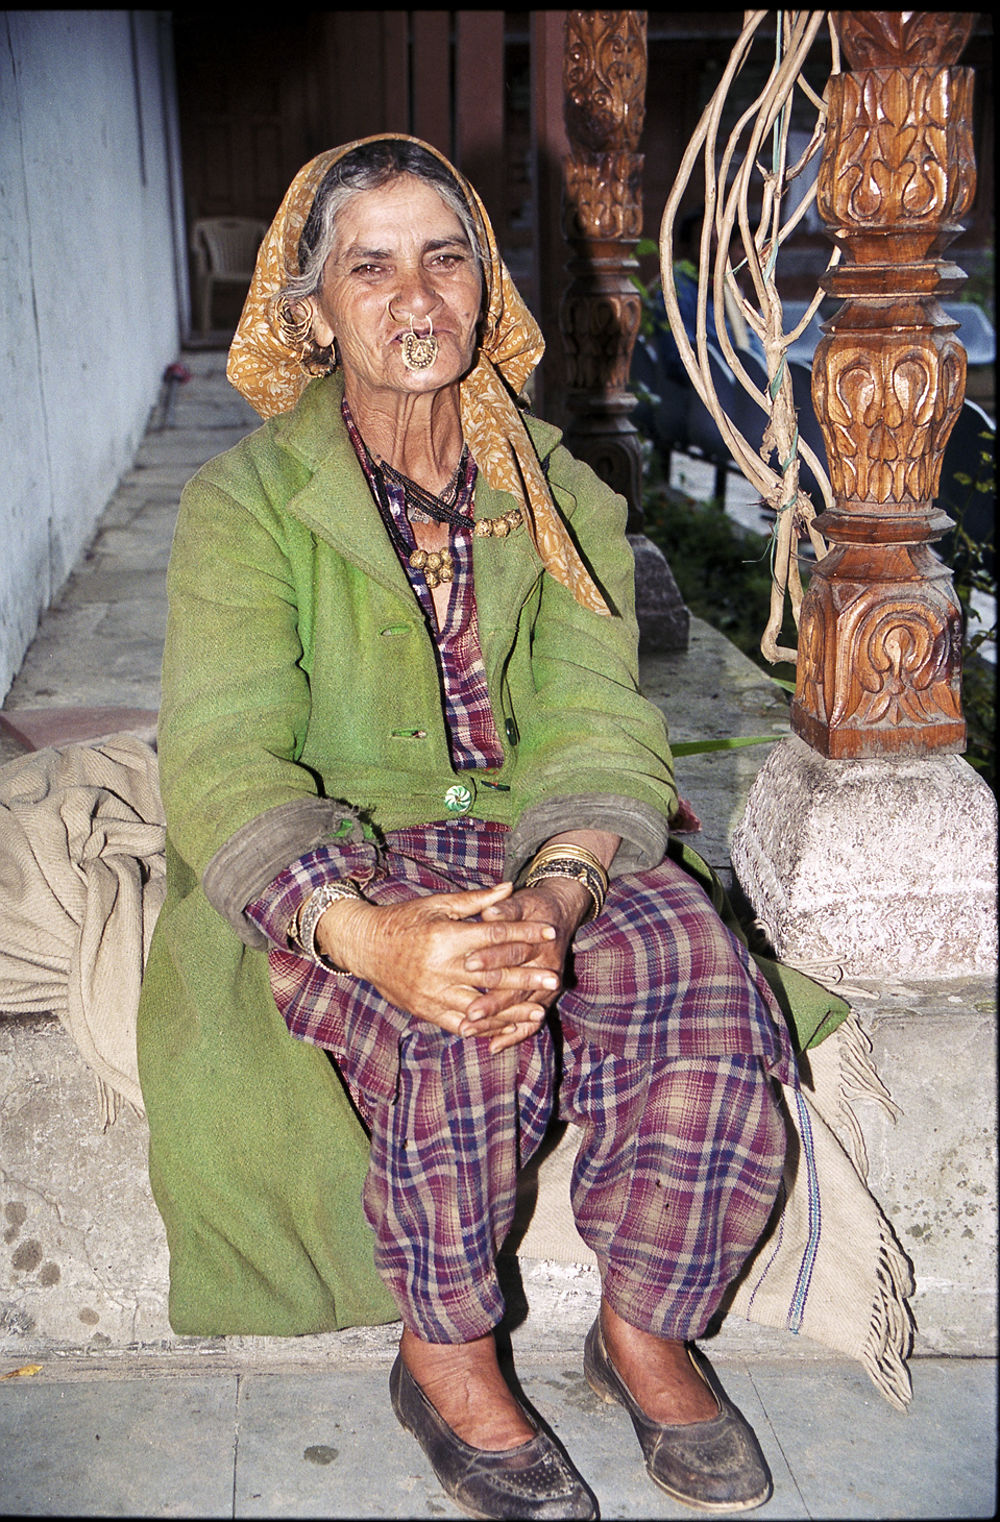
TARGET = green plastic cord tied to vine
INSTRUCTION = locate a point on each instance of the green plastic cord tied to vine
(736, 179)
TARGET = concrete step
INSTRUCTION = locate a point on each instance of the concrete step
(84, 1263)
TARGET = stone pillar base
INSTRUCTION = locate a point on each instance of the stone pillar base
(662, 614)
(887, 868)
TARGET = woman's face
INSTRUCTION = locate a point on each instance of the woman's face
(399, 252)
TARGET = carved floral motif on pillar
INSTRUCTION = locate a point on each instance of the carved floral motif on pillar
(880, 635)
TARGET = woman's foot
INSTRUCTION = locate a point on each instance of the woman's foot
(697, 1446)
(464, 1384)
(485, 1452)
(659, 1374)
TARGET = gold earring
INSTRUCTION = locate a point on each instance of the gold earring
(296, 331)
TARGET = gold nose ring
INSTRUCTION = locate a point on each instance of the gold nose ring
(419, 351)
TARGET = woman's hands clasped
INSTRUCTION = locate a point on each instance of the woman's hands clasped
(503, 1011)
(485, 963)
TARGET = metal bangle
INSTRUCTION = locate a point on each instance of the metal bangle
(302, 930)
(565, 851)
(576, 871)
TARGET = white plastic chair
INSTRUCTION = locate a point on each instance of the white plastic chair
(225, 250)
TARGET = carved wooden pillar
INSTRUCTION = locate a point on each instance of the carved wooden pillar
(880, 632)
(604, 83)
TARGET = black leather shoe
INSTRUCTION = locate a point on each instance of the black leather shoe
(714, 1465)
(532, 1481)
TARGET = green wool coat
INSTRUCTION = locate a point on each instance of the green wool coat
(301, 700)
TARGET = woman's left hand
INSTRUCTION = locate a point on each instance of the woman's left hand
(559, 902)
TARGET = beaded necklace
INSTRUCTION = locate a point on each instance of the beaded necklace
(437, 566)
(453, 507)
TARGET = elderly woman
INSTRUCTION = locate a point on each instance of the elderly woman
(420, 891)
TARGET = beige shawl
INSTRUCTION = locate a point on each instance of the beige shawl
(82, 880)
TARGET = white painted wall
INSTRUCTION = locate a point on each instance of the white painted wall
(92, 292)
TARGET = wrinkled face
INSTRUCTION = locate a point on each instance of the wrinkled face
(400, 253)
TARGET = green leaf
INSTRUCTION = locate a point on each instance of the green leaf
(731, 742)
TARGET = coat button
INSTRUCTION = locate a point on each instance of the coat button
(512, 731)
(458, 799)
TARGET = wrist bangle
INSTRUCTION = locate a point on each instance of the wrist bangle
(567, 860)
(567, 852)
(595, 881)
(302, 930)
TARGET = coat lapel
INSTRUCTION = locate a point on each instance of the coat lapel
(506, 570)
(336, 503)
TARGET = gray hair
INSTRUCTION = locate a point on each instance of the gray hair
(368, 167)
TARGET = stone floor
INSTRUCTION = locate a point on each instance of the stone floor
(138, 1439)
(123, 1419)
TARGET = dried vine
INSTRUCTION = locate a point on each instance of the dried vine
(728, 192)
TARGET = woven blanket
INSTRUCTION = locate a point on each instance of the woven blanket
(82, 879)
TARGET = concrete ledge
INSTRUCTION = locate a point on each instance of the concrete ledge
(83, 1258)
(934, 1170)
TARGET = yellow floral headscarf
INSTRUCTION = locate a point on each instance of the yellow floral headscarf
(268, 372)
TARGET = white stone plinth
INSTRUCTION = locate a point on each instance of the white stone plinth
(886, 867)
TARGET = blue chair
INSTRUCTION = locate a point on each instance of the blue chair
(975, 331)
(662, 414)
(751, 420)
(704, 438)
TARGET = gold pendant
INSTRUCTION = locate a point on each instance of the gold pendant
(437, 565)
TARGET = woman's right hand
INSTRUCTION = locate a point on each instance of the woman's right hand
(414, 953)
